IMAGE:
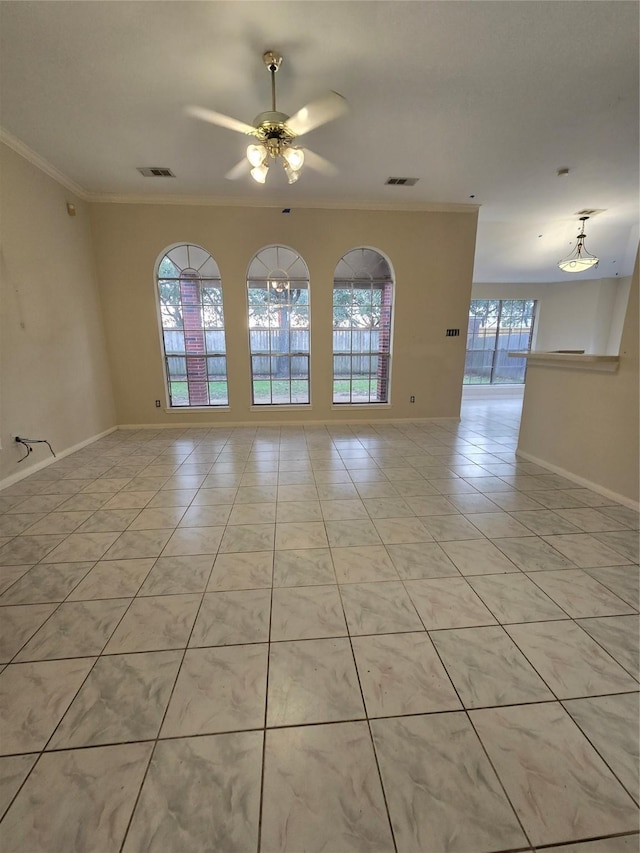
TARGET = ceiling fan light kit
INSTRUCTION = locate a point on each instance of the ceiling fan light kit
(275, 132)
(259, 173)
(256, 155)
(580, 259)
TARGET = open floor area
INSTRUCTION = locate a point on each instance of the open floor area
(372, 637)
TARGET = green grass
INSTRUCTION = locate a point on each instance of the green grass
(360, 386)
(361, 389)
(278, 391)
(217, 393)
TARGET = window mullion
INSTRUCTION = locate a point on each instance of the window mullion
(496, 343)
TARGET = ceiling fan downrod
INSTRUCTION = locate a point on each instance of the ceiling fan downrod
(271, 127)
(273, 61)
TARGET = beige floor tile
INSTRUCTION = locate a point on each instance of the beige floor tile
(569, 660)
(154, 623)
(228, 618)
(402, 674)
(33, 699)
(218, 690)
(379, 608)
(448, 603)
(322, 791)
(307, 612)
(442, 793)
(487, 668)
(77, 800)
(187, 792)
(559, 786)
(312, 681)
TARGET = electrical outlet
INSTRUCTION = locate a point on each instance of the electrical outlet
(157, 404)
(412, 399)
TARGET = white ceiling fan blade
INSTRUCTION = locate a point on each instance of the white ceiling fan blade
(221, 120)
(327, 108)
(318, 164)
(239, 170)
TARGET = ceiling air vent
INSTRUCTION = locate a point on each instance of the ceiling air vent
(155, 172)
(401, 182)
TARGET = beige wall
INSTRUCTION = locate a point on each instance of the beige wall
(585, 422)
(431, 254)
(54, 374)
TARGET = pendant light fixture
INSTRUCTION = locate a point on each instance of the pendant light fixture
(580, 259)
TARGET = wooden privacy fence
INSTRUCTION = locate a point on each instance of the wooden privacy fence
(355, 352)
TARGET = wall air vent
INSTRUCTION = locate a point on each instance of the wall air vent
(401, 182)
(155, 172)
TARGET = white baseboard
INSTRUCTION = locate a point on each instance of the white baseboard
(20, 475)
(580, 481)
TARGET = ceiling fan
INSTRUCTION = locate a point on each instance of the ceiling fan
(275, 132)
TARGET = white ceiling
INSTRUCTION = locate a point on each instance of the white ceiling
(482, 101)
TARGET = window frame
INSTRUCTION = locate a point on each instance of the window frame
(214, 280)
(292, 281)
(495, 350)
(385, 328)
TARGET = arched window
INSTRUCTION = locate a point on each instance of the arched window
(192, 323)
(278, 297)
(362, 305)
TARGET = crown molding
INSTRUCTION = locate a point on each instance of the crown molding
(297, 204)
(39, 162)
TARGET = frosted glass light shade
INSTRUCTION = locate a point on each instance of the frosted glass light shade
(259, 173)
(292, 175)
(256, 155)
(578, 263)
(294, 157)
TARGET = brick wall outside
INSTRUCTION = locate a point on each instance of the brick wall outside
(194, 341)
(384, 343)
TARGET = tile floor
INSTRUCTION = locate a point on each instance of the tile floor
(343, 638)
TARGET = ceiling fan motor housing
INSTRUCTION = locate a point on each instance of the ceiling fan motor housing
(272, 130)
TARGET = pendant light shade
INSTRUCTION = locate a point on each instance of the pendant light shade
(580, 259)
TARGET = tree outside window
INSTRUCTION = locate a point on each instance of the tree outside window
(279, 327)
(497, 327)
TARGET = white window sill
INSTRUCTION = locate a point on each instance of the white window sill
(337, 406)
(178, 410)
(282, 407)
